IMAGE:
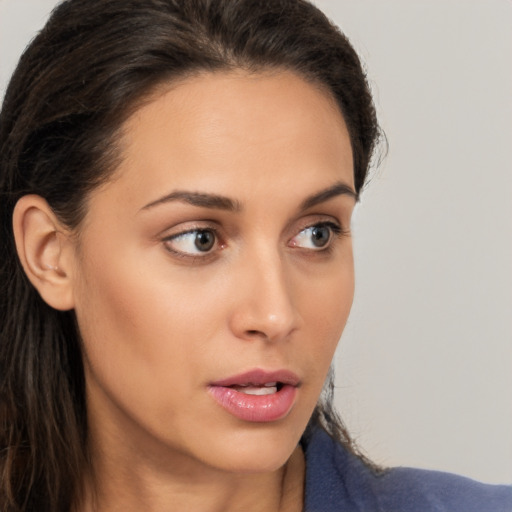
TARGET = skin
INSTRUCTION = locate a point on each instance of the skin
(161, 320)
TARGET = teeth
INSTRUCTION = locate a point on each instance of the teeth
(267, 389)
(268, 385)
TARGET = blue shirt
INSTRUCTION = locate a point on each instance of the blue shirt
(338, 481)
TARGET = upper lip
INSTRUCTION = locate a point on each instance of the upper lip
(259, 377)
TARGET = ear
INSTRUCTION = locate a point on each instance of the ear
(45, 250)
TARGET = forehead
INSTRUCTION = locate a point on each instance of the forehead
(235, 130)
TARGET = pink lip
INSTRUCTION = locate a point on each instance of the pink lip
(256, 408)
(259, 378)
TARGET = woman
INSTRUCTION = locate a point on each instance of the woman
(178, 179)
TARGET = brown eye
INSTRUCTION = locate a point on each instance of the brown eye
(205, 240)
(193, 242)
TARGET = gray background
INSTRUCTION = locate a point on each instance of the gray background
(424, 366)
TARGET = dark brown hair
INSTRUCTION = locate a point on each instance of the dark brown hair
(79, 79)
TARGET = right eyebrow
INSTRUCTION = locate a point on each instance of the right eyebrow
(202, 200)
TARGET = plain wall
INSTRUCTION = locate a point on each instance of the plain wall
(425, 364)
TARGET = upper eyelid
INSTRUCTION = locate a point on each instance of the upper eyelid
(188, 227)
(208, 224)
(188, 231)
(321, 219)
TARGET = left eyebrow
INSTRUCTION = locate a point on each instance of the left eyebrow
(337, 189)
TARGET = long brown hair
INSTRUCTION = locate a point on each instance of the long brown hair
(79, 79)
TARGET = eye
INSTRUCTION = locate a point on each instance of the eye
(192, 242)
(316, 237)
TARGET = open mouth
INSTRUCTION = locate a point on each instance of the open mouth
(257, 395)
(252, 389)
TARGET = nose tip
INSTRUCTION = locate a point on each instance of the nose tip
(265, 309)
(273, 328)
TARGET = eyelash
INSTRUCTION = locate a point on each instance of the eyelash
(336, 231)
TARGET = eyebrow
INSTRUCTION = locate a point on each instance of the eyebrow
(218, 202)
(338, 189)
(202, 200)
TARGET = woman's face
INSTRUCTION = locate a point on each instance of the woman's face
(214, 272)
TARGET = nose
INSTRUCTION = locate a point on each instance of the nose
(264, 302)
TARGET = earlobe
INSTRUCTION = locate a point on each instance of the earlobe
(44, 247)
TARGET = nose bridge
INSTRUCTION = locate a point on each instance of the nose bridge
(265, 306)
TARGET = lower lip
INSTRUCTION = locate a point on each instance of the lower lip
(255, 408)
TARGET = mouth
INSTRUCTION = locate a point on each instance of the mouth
(258, 395)
(269, 388)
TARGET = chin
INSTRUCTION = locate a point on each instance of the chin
(256, 448)
(255, 460)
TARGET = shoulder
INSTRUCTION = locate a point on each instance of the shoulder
(338, 480)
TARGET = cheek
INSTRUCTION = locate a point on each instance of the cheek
(326, 305)
(148, 325)
(137, 333)
(326, 298)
